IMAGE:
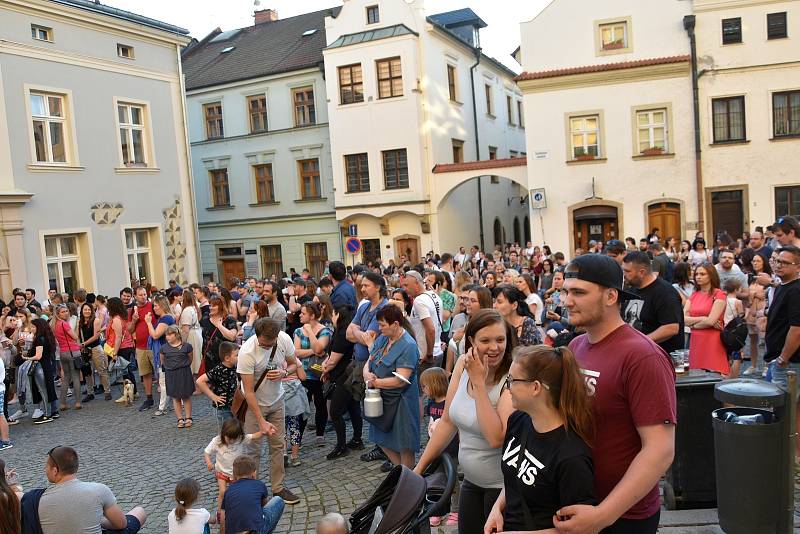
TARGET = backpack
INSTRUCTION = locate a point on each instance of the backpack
(734, 335)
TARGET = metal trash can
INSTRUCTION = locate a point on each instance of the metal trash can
(690, 482)
(752, 457)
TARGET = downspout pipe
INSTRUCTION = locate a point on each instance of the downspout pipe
(477, 142)
(689, 25)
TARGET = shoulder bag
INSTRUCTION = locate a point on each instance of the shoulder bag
(77, 363)
(239, 403)
(734, 335)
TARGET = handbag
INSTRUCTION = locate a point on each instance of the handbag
(32, 368)
(239, 403)
(118, 364)
(86, 353)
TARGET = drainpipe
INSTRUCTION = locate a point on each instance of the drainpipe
(689, 24)
(477, 141)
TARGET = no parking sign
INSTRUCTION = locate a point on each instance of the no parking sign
(353, 245)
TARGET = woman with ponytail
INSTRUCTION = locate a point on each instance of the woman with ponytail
(546, 461)
(184, 519)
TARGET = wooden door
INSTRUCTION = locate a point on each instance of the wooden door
(231, 269)
(727, 214)
(666, 216)
(408, 246)
(600, 230)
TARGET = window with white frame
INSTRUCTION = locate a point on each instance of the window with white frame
(137, 249)
(652, 128)
(132, 135)
(48, 115)
(585, 136)
(41, 33)
(61, 258)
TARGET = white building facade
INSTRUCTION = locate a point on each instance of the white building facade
(608, 86)
(95, 184)
(400, 101)
(260, 142)
(749, 56)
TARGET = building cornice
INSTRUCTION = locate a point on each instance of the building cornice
(94, 21)
(701, 6)
(609, 74)
(293, 129)
(80, 60)
(15, 196)
(277, 218)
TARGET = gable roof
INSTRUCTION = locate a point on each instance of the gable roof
(255, 51)
(459, 17)
(97, 7)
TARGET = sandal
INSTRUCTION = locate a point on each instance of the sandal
(188, 422)
(181, 423)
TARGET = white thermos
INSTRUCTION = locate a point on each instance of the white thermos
(373, 403)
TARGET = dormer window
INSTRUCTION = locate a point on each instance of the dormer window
(373, 15)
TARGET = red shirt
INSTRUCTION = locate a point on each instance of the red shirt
(141, 332)
(632, 381)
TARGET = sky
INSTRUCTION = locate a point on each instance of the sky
(499, 39)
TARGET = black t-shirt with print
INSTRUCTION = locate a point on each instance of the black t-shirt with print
(546, 471)
(223, 381)
(659, 304)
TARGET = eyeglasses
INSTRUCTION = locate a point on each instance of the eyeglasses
(510, 380)
(52, 459)
(783, 263)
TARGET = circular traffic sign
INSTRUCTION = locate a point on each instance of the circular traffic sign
(353, 245)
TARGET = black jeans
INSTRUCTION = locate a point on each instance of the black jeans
(342, 401)
(474, 506)
(314, 388)
(648, 525)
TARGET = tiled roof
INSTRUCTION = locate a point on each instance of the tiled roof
(601, 68)
(260, 50)
(97, 7)
(457, 18)
(480, 165)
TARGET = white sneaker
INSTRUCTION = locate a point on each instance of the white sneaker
(37, 413)
(69, 392)
(751, 371)
(19, 414)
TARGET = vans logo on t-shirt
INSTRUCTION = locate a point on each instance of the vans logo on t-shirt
(591, 380)
(526, 464)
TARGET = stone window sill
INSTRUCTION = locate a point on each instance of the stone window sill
(137, 170)
(665, 155)
(306, 200)
(586, 161)
(44, 167)
(221, 208)
(728, 143)
(260, 204)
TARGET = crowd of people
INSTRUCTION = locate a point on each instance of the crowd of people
(513, 358)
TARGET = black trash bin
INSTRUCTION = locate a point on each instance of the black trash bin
(751, 459)
(690, 481)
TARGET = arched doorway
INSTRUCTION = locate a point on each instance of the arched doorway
(517, 232)
(666, 216)
(594, 223)
(527, 230)
(498, 233)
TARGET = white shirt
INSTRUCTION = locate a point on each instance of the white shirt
(225, 454)
(427, 304)
(194, 522)
(253, 360)
(534, 299)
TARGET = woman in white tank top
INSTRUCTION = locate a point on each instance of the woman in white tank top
(477, 408)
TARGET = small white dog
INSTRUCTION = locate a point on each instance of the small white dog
(127, 393)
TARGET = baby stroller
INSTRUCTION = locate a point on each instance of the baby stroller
(404, 501)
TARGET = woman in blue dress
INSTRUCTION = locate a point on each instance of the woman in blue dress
(395, 350)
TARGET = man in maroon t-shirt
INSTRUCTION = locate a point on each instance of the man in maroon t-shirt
(632, 382)
(144, 356)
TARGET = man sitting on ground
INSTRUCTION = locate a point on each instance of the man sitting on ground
(71, 505)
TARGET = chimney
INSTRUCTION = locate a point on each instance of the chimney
(265, 15)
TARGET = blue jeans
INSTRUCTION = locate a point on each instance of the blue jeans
(223, 414)
(272, 514)
(777, 375)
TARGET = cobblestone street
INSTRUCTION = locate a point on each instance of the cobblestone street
(141, 457)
